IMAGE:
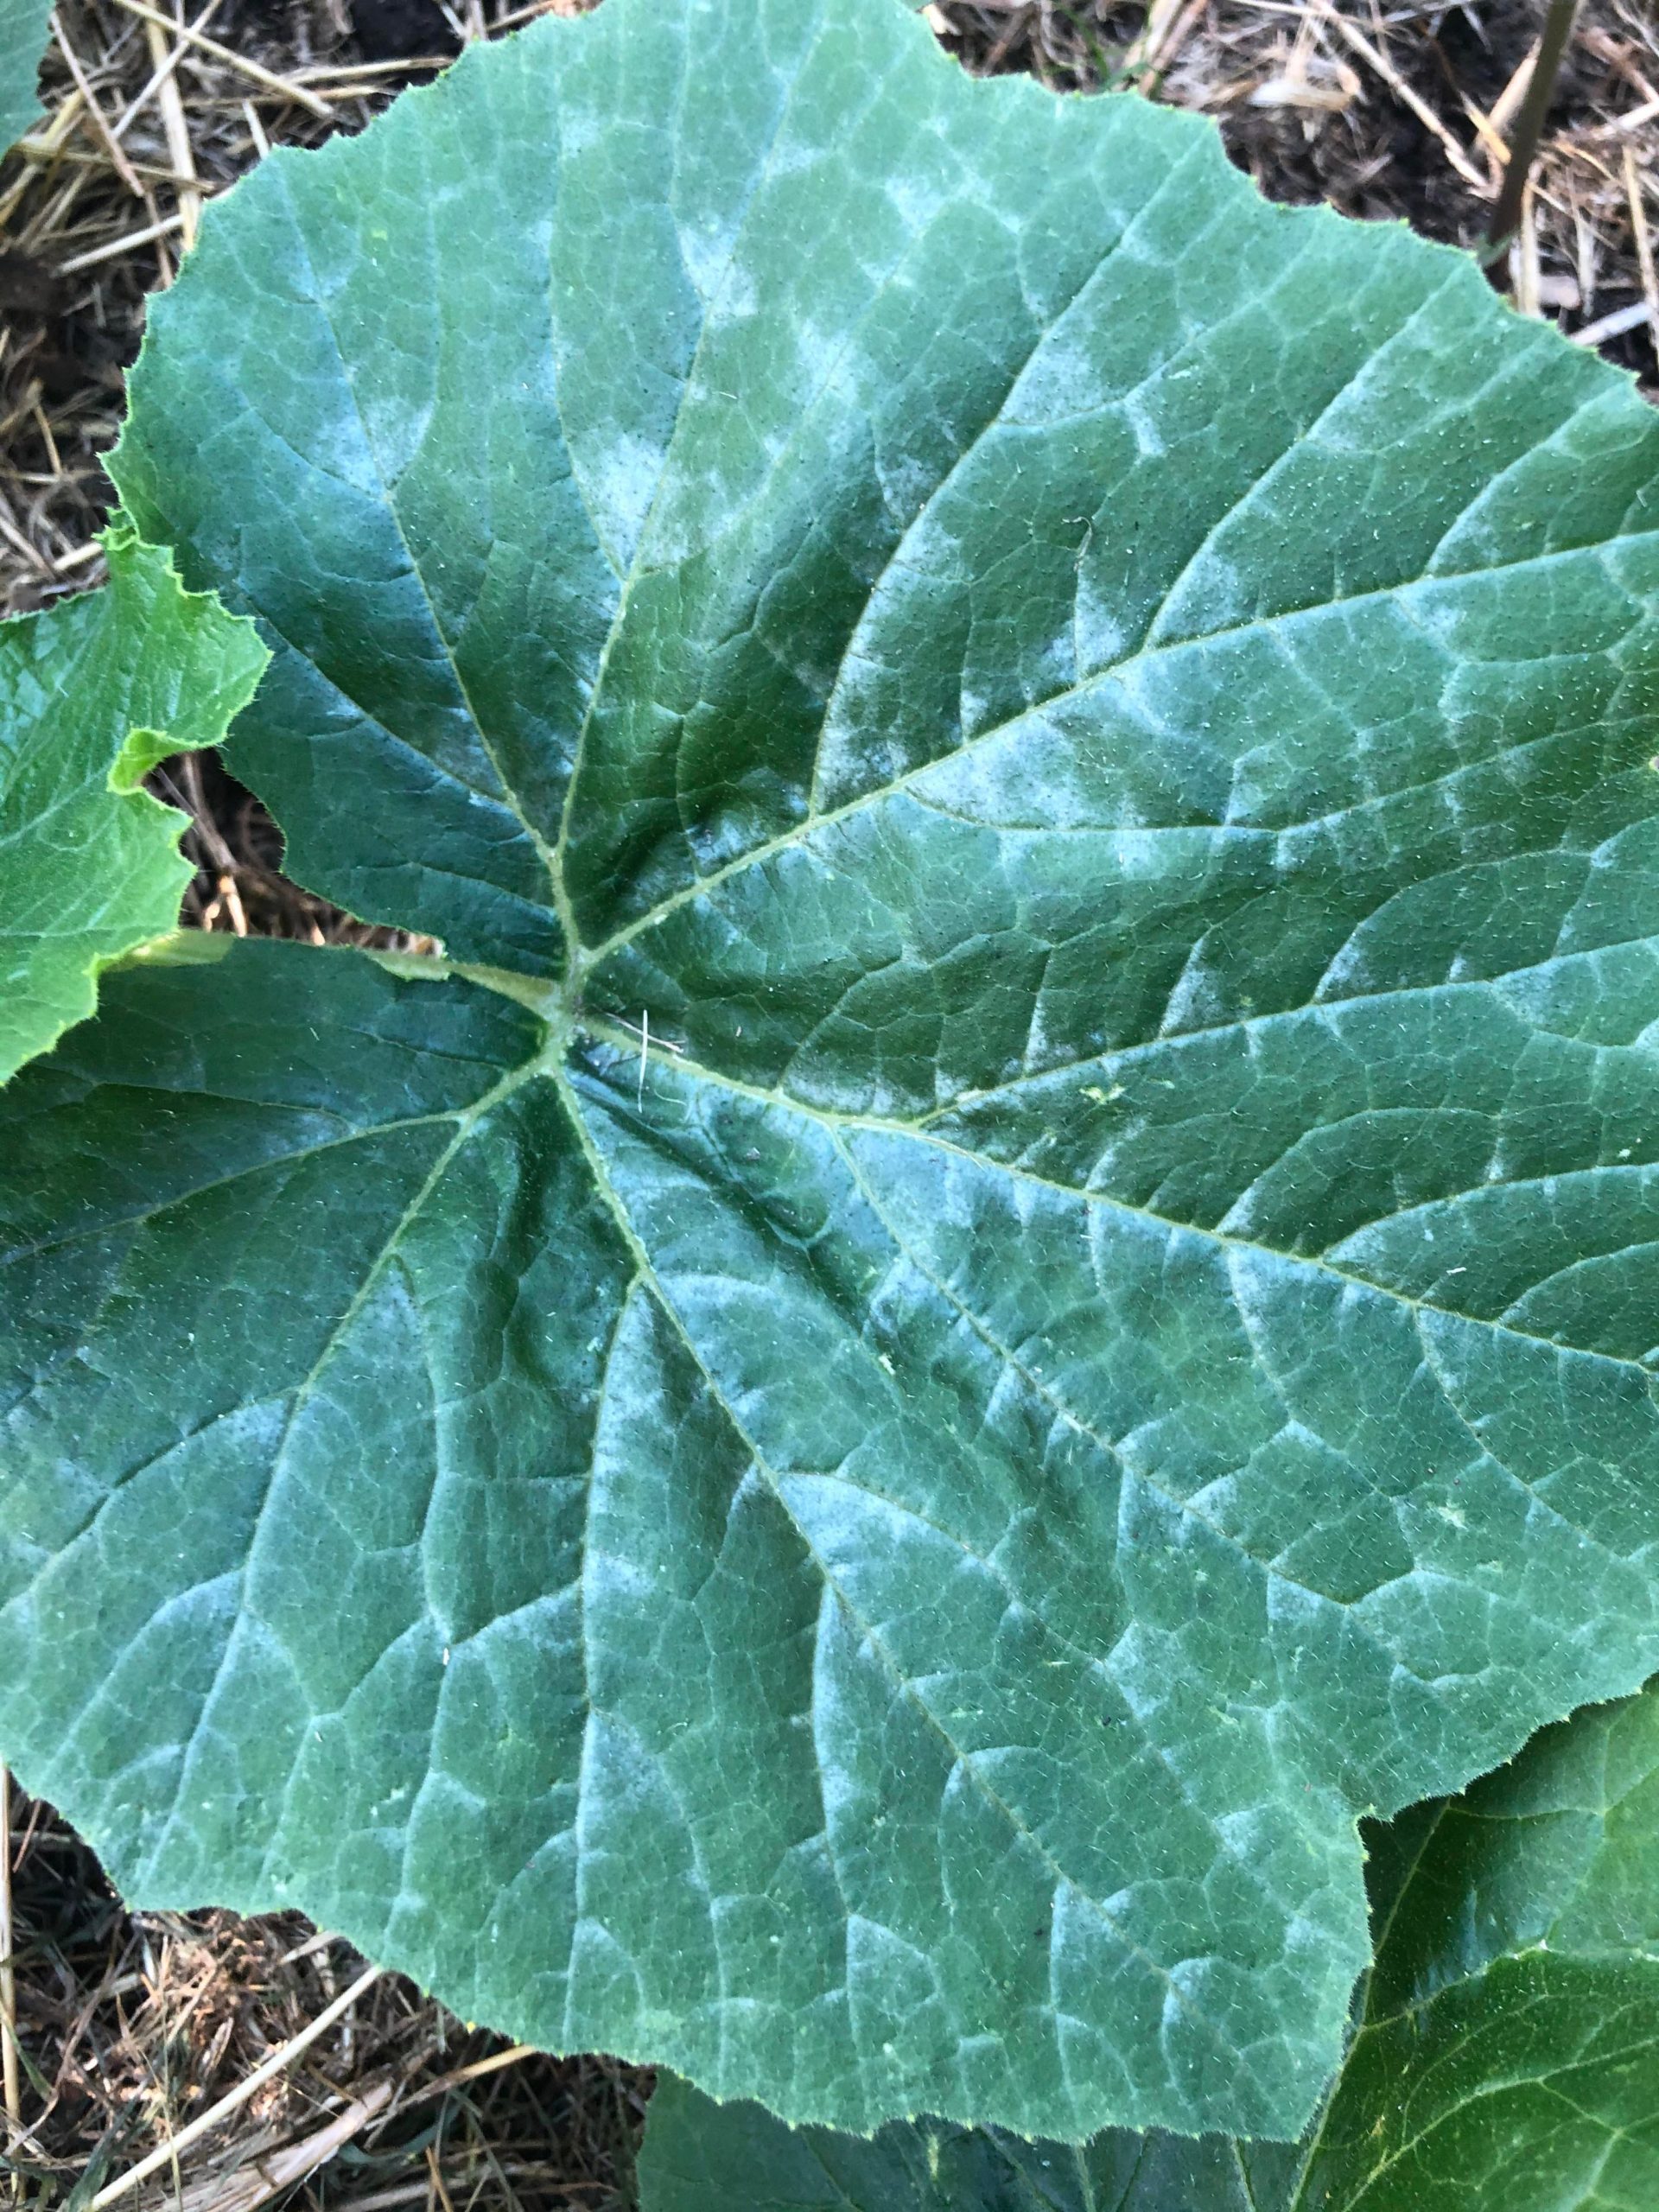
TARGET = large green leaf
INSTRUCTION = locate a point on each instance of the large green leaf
(1507, 2052)
(22, 39)
(869, 1549)
(92, 694)
(698, 2155)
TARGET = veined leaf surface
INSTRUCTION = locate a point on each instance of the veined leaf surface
(697, 2154)
(92, 694)
(1506, 2054)
(1040, 1290)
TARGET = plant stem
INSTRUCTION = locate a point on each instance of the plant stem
(1529, 125)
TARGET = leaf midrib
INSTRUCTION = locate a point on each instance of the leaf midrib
(1111, 1058)
(638, 568)
(1182, 1505)
(465, 1121)
(831, 1119)
(509, 795)
(966, 1761)
(1150, 647)
(800, 833)
(552, 852)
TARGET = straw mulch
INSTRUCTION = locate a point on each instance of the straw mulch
(132, 2027)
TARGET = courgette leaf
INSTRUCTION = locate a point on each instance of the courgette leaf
(23, 41)
(92, 694)
(1506, 2053)
(698, 2154)
(1059, 1303)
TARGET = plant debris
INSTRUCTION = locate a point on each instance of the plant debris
(133, 2026)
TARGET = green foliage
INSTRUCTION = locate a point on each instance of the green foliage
(92, 695)
(23, 41)
(1009, 1273)
(698, 2154)
(1506, 2050)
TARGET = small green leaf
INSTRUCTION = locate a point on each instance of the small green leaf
(1509, 2049)
(92, 694)
(1507, 2053)
(1034, 1289)
(23, 41)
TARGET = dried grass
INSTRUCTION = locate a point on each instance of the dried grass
(239, 885)
(132, 2026)
(148, 117)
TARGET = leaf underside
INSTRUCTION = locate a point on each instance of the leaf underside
(1505, 2052)
(92, 694)
(1036, 1288)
